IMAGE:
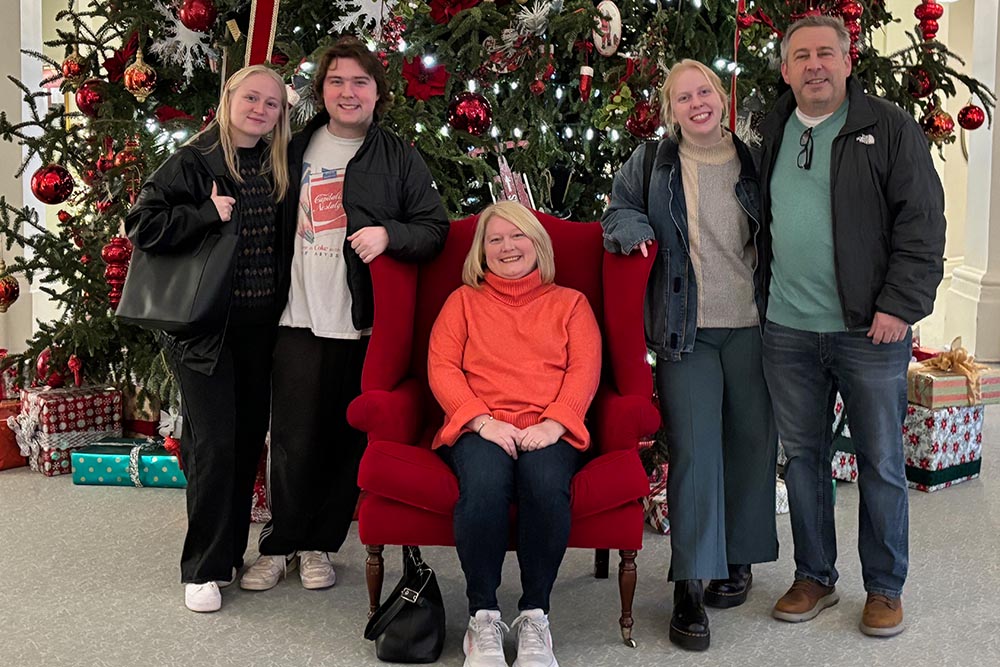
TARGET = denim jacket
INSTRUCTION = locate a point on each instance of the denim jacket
(671, 296)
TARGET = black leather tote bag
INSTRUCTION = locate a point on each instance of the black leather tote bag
(409, 625)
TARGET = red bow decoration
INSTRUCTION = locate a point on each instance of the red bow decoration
(423, 83)
(116, 64)
(167, 113)
(443, 11)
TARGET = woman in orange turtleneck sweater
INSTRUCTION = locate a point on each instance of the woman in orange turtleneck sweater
(514, 360)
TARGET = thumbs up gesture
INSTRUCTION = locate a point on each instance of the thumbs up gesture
(223, 204)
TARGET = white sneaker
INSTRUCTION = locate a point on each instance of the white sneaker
(534, 641)
(227, 582)
(202, 597)
(266, 571)
(315, 570)
(483, 643)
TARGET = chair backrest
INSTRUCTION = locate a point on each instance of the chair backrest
(578, 249)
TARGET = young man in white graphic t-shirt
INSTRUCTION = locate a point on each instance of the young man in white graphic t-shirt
(361, 192)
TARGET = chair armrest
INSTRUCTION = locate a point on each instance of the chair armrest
(394, 289)
(625, 280)
(620, 422)
(396, 415)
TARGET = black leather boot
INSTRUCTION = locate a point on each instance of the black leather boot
(731, 592)
(689, 623)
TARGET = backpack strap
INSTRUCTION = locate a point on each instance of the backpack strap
(648, 158)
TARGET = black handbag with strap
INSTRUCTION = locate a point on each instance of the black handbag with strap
(409, 626)
(184, 292)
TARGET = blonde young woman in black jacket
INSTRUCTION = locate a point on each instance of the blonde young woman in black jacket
(233, 174)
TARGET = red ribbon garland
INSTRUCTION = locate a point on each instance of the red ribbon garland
(741, 8)
(263, 21)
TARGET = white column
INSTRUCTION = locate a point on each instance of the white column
(973, 302)
(15, 324)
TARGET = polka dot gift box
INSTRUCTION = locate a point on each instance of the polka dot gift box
(126, 462)
(53, 422)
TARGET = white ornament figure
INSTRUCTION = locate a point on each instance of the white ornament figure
(361, 14)
(182, 46)
(607, 34)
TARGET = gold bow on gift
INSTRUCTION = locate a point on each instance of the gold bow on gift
(958, 361)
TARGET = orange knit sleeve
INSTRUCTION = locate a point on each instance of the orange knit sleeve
(444, 370)
(583, 374)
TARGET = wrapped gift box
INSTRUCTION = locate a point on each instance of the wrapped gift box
(140, 416)
(933, 388)
(943, 446)
(654, 505)
(54, 421)
(10, 453)
(843, 463)
(126, 462)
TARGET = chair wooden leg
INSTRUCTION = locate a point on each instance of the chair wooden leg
(626, 588)
(374, 575)
(601, 563)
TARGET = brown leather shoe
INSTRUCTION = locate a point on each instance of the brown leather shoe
(883, 616)
(804, 601)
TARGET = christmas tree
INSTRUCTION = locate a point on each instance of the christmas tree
(540, 100)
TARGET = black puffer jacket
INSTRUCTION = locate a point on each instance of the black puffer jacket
(174, 212)
(888, 209)
(386, 184)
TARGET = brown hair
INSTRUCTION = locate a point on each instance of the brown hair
(354, 49)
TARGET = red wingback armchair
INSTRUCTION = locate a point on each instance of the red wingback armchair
(409, 493)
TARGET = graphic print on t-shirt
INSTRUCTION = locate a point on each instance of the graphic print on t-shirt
(323, 203)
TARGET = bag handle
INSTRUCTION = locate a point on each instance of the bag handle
(384, 615)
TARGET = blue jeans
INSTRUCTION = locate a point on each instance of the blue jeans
(804, 371)
(489, 481)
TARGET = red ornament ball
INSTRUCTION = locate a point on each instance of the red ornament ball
(74, 68)
(928, 11)
(929, 29)
(971, 117)
(139, 78)
(64, 216)
(90, 97)
(853, 27)
(117, 251)
(919, 82)
(128, 155)
(470, 112)
(9, 289)
(52, 184)
(855, 53)
(938, 125)
(537, 87)
(644, 120)
(105, 163)
(198, 15)
(45, 373)
(851, 10)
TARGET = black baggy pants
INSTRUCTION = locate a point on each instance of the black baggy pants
(315, 453)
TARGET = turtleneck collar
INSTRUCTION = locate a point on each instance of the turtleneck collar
(720, 152)
(517, 291)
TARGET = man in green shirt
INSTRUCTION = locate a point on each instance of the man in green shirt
(853, 256)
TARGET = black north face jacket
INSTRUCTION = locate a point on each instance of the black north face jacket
(887, 208)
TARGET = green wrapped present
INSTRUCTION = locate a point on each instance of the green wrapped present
(126, 462)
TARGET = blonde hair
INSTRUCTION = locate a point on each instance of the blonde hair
(277, 157)
(666, 113)
(474, 269)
